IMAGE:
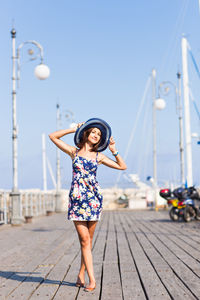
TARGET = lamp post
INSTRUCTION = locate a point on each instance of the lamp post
(164, 88)
(69, 115)
(158, 104)
(154, 126)
(188, 139)
(41, 72)
(58, 176)
(58, 173)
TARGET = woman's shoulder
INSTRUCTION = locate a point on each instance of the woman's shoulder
(100, 157)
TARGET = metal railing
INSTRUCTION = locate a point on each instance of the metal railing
(4, 207)
(37, 204)
(33, 204)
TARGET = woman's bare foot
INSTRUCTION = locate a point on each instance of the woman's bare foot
(80, 281)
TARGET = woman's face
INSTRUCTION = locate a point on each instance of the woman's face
(94, 136)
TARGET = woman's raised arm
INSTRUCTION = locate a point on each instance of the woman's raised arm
(55, 137)
(119, 164)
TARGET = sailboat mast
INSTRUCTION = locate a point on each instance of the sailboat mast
(187, 113)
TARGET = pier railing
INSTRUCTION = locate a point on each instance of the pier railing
(33, 204)
(37, 204)
(4, 207)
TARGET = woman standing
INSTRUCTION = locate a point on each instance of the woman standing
(85, 199)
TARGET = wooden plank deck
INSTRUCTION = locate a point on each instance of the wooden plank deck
(137, 255)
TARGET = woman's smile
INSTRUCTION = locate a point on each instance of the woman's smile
(94, 136)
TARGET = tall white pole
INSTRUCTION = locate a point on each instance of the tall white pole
(16, 215)
(58, 206)
(187, 113)
(154, 137)
(58, 177)
(154, 126)
(14, 114)
(180, 116)
(51, 172)
(44, 162)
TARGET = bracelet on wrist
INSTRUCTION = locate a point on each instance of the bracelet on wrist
(115, 153)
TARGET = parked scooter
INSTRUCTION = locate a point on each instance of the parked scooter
(192, 205)
(172, 201)
(185, 203)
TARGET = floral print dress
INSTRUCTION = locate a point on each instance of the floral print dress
(85, 199)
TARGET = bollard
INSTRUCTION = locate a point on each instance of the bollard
(16, 215)
(58, 207)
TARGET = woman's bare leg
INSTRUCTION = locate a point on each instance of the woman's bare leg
(85, 230)
(91, 227)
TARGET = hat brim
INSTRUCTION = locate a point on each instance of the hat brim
(95, 123)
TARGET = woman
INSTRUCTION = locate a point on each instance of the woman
(85, 199)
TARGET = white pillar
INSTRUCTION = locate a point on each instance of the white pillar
(14, 115)
(154, 139)
(187, 113)
(16, 218)
(180, 116)
(44, 162)
(58, 206)
(154, 126)
(58, 177)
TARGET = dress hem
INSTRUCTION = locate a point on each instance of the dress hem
(83, 220)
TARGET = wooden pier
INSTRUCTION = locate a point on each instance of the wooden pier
(137, 255)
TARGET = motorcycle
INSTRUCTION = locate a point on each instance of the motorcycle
(192, 205)
(172, 201)
(185, 203)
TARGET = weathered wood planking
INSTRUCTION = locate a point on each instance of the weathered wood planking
(111, 283)
(167, 249)
(151, 282)
(131, 284)
(172, 283)
(137, 255)
(37, 254)
(182, 240)
(51, 271)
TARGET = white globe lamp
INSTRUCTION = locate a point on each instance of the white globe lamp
(160, 104)
(73, 125)
(42, 71)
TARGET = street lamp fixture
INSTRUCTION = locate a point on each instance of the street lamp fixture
(158, 104)
(70, 118)
(165, 89)
(41, 72)
(69, 115)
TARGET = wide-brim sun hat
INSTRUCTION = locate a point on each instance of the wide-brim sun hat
(95, 123)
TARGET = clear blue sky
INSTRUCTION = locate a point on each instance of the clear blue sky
(101, 54)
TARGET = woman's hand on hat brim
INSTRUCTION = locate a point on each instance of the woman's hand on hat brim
(112, 145)
(79, 125)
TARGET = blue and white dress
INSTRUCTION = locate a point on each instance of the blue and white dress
(85, 199)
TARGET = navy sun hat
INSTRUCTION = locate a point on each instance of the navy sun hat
(95, 123)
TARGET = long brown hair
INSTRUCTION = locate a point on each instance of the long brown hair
(84, 139)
